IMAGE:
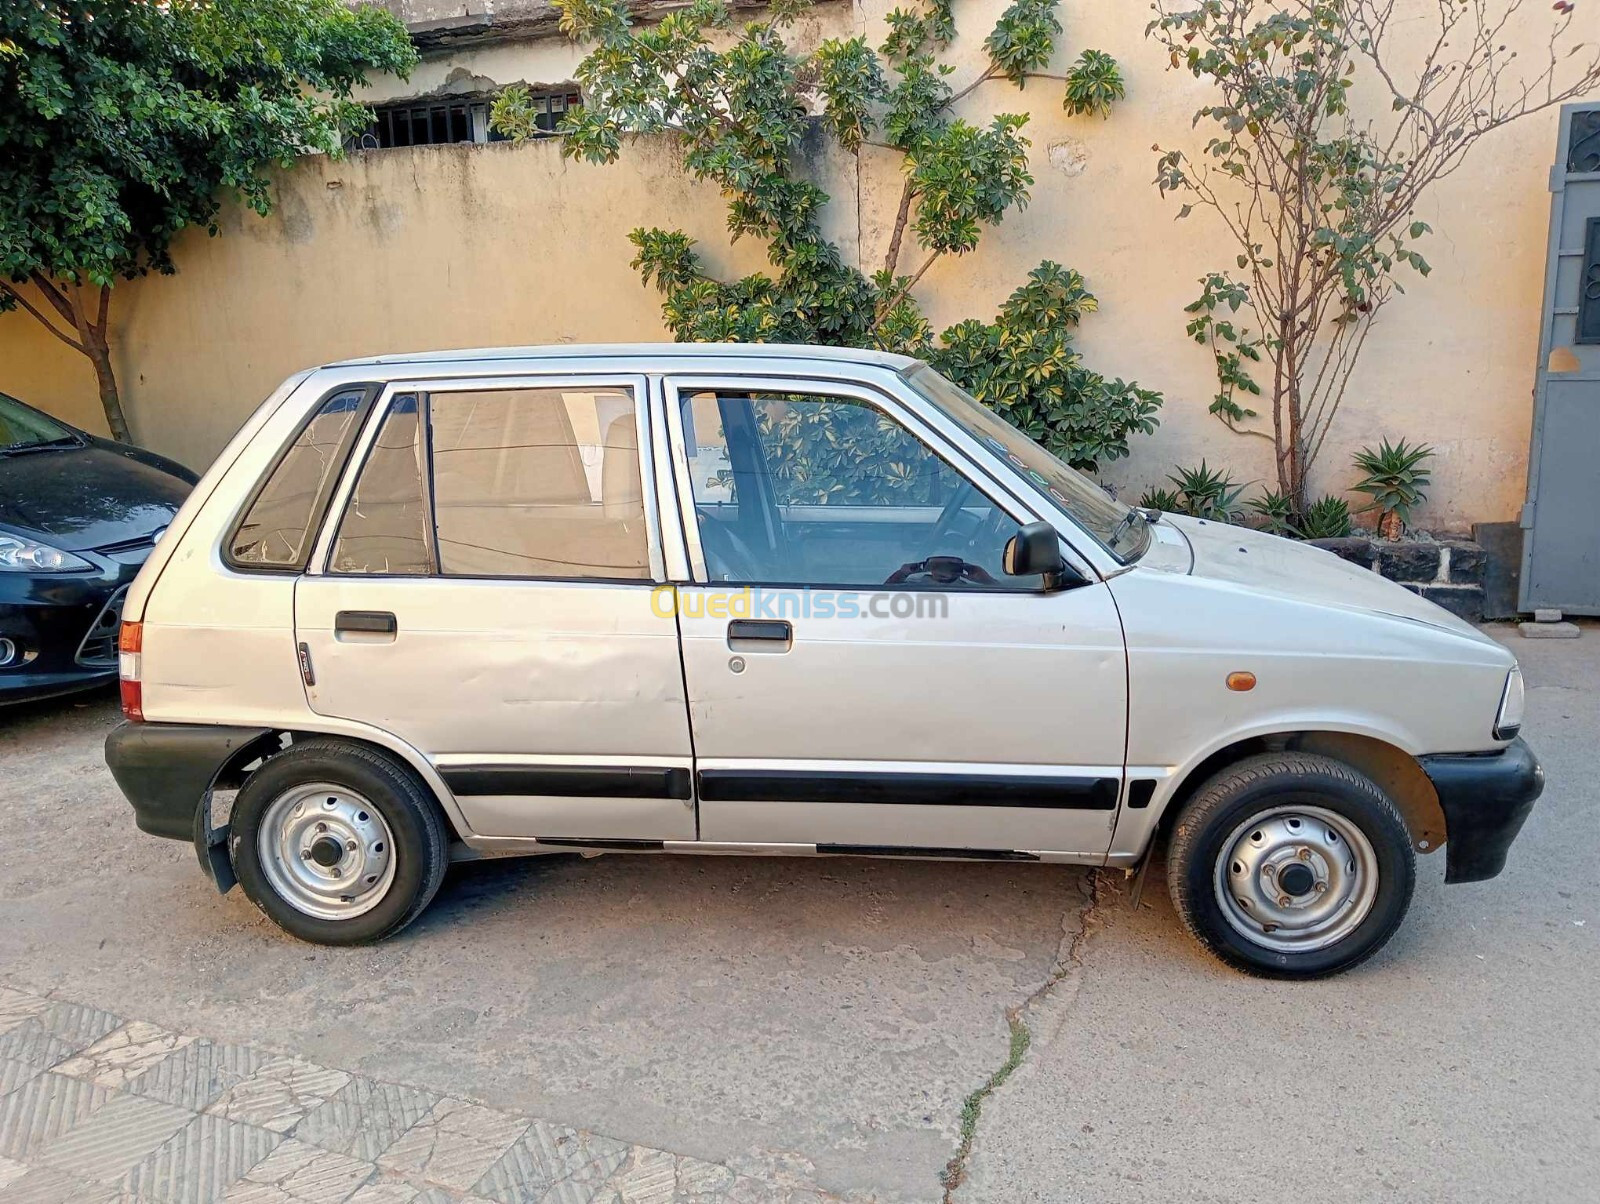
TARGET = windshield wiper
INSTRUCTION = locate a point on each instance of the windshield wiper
(1125, 523)
(17, 449)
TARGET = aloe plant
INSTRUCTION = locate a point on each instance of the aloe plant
(1201, 493)
(1396, 481)
(1274, 511)
(1326, 518)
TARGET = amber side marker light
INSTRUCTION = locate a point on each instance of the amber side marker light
(1241, 681)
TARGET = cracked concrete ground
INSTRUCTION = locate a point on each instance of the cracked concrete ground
(825, 1021)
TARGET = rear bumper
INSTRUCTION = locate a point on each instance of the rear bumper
(1485, 798)
(168, 770)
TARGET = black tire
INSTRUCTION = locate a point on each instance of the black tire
(421, 844)
(1250, 788)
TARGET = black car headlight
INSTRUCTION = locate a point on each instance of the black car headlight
(19, 554)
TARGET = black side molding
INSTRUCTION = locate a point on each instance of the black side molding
(1485, 798)
(569, 781)
(894, 850)
(920, 789)
(605, 843)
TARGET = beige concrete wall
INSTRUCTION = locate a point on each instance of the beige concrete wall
(467, 246)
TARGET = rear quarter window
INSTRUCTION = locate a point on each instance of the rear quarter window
(277, 529)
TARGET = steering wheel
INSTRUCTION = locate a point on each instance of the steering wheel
(731, 555)
(942, 570)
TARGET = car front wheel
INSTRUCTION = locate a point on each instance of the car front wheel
(337, 843)
(1291, 865)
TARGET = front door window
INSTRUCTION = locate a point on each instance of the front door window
(816, 490)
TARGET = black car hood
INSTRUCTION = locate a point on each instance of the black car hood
(78, 498)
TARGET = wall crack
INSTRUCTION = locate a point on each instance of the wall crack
(1020, 1019)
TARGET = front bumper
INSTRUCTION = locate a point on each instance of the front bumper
(60, 629)
(1485, 798)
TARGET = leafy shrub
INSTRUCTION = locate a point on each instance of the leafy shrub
(737, 102)
(1023, 366)
(1093, 85)
(1396, 481)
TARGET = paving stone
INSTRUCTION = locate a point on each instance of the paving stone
(280, 1094)
(77, 1024)
(1550, 631)
(107, 1144)
(388, 1191)
(17, 1006)
(197, 1074)
(32, 1044)
(200, 1161)
(55, 1033)
(10, 1170)
(304, 1174)
(42, 1108)
(364, 1118)
(555, 1163)
(702, 1182)
(46, 1185)
(14, 1073)
(123, 1054)
(454, 1145)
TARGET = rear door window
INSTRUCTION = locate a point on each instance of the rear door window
(507, 483)
(384, 531)
(539, 483)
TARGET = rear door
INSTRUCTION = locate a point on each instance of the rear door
(482, 591)
(862, 674)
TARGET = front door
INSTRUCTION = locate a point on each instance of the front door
(862, 673)
(484, 592)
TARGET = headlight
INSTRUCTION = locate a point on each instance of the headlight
(1508, 722)
(19, 555)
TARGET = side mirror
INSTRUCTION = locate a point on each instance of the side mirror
(1035, 550)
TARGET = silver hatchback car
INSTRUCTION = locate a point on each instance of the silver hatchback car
(778, 600)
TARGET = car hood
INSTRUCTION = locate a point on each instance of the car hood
(1288, 568)
(77, 498)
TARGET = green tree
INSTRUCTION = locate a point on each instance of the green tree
(122, 122)
(1319, 199)
(741, 102)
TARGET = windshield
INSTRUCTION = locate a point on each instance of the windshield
(1122, 531)
(23, 426)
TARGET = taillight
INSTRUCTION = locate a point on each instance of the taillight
(130, 643)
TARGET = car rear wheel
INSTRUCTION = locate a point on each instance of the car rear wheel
(337, 843)
(1291, 865)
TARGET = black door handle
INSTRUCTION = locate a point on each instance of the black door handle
(372, 622)
(760, 631)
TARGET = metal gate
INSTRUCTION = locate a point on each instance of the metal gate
(1561, 548)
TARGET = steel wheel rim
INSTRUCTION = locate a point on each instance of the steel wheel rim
(1296, 879)
(327, 851)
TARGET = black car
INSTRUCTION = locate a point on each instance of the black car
(78, 516)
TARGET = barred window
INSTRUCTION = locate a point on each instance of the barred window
(459, 119)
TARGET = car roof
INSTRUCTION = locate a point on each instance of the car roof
(647, 351)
